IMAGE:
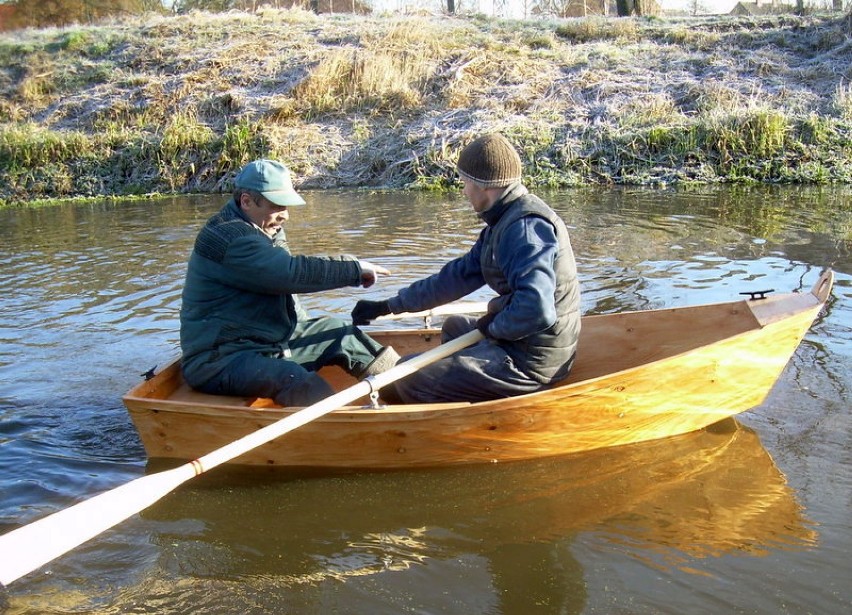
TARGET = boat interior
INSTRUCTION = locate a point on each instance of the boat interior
(608, 343)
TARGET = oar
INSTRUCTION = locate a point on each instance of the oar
(31, 546)
(463, 307)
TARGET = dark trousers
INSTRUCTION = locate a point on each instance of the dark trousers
(292, 380)
(480, 372)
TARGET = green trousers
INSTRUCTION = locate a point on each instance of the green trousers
(290, 377)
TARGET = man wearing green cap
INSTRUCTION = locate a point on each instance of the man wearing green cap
(243, 331)
(524, 255)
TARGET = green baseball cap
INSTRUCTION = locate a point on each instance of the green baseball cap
(271, 179)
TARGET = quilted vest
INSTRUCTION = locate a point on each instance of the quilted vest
(546, 356)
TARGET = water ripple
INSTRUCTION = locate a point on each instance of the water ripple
(91, 299)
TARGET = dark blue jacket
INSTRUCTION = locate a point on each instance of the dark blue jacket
(524, 254)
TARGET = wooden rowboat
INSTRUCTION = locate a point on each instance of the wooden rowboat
(638, 376)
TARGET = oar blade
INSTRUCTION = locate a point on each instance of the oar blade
(29, 547)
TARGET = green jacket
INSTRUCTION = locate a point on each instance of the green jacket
(239, 294)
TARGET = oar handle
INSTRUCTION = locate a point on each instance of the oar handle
(29, 547)
(406, 368)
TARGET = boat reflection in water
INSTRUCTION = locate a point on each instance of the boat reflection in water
(708, 493)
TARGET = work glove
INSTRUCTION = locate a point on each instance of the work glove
(482, 324)
(365, 311)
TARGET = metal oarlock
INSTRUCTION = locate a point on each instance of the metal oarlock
(374, 401)
(374, 394)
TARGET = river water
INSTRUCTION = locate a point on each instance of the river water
(750, 516)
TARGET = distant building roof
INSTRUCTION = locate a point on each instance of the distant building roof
(762, 7)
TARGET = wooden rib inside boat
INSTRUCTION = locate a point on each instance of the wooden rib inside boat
(638, 376)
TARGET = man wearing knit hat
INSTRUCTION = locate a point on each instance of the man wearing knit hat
(242, 330)
(524, 255)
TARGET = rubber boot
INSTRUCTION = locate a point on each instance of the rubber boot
(385, 360)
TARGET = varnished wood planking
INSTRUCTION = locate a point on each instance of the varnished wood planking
(639, 376)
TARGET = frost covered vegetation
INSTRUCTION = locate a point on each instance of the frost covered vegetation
(177, 104)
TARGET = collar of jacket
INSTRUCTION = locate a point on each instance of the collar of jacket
(512, 193)
(237, 211)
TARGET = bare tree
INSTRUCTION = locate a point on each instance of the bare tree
(528, 6)
(696, 7)
(625, 8)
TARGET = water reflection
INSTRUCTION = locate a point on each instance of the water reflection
(703, 494)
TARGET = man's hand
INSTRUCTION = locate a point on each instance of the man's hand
(370, 273)
(482, 324)
(365, 311)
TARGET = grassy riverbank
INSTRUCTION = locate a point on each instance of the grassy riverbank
(177, 104)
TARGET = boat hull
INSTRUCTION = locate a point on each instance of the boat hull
(639, 376)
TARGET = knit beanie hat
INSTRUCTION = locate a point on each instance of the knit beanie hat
(491, 161)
